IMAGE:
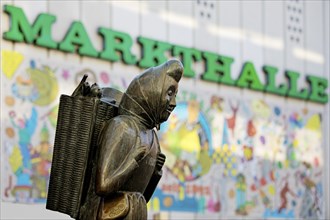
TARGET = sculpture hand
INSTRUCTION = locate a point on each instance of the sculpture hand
(160, 161)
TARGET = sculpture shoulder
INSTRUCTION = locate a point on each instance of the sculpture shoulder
(120, 126)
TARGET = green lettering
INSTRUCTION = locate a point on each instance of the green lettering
(153, 52)
(318, 86)
(248, 78)
(116, 44)
(21, 30)
(271, 87)
(188, 55)
(218, 68)
(77, 36)
(293, 87)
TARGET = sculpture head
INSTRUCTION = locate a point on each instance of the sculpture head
(151, 96)
(170, 89)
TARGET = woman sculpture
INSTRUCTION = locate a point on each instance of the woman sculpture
(129, 161)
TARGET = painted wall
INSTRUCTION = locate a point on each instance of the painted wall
(231, 153)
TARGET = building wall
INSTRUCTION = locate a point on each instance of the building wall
(244, 171)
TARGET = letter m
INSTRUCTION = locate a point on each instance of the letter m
(21, 30)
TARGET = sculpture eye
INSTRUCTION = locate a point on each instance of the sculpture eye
(170, 93)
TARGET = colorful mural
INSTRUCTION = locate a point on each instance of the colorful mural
(225, 156)
(30, 90)
(241, 158)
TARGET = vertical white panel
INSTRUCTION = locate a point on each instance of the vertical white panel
(91, 22)
(295, 40)
(93, 16)
(294, 33)
(314, 50)
(206, 16)
(66, 12)
(31, 9)
(252, 49)
(314, 38)
(181, 22)
(273, 45)
(152, 25)
(5, 25)
(326, 112)
(274, 29)
(181, 28)
(274, 37)
(5, 46)
(273, 32)
(229, 34)
(126, 17)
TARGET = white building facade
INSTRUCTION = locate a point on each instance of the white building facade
(249, 138)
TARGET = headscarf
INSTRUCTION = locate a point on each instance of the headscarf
(143, 96)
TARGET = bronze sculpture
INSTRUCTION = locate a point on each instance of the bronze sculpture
(126, 166)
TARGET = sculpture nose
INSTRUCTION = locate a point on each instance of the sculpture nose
(172, 103)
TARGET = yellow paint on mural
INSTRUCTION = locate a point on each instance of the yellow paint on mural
(225, 148)
(156, 204)
(295, 143)
(189, 140)
(271, 190)
(314, 123)
(181, 193)
(16, 159)
(260, 108)
(148, 205)
(11, 60)
(233, 148)
(46, 84)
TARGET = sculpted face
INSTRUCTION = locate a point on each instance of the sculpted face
(168, 101)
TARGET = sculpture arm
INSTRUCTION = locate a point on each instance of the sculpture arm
(149, 191)
(155, 177)
(117, 157)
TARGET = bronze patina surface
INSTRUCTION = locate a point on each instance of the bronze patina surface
(125, 166)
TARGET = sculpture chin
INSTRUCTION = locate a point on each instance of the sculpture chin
(166, 114)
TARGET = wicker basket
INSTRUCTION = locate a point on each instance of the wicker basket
(79, 123)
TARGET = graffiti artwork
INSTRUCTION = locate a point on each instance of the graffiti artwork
(229, 157)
